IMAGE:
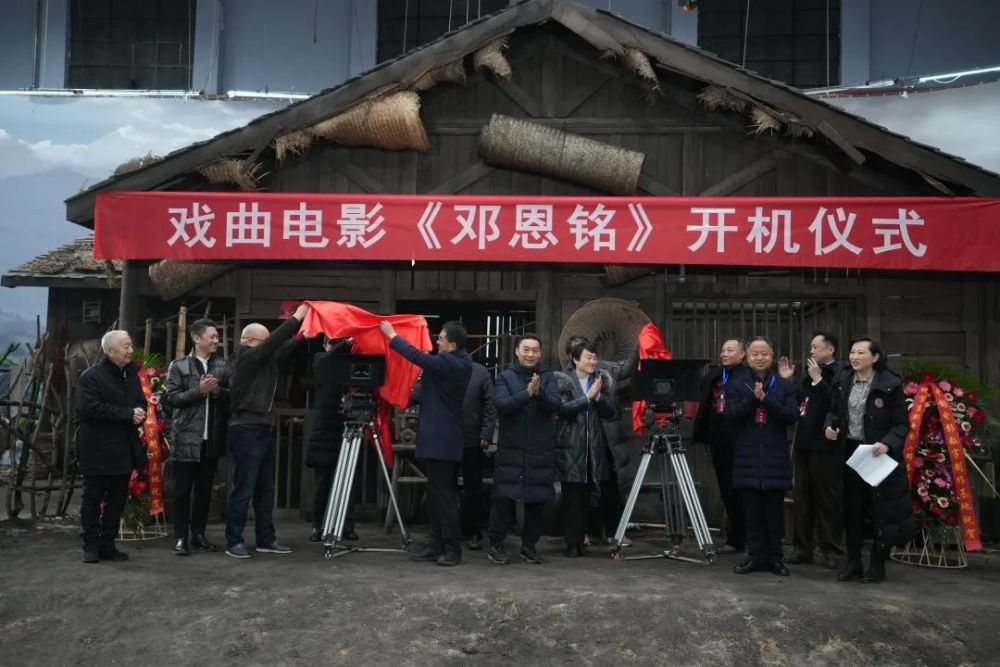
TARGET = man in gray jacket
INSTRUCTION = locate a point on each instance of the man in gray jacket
(197, 393)
(251, 433)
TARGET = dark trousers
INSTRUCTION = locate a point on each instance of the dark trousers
(192, 479)
(765, 522)
(442, 503)
(576, 509)
(472, 491)
(857, 506)
(324, 484)
(101, 525)
(817, 493)
(722, 461)
(251, 458)
(503, 515)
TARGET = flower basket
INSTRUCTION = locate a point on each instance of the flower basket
(152, 529)
(941, 547)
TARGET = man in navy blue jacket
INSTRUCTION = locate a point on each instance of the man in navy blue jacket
(440, 434)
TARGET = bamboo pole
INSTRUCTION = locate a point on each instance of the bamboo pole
(182, 316)
(147, 341)
(170, 339)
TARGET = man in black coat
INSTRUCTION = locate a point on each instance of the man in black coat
(527, 401)
(440, 436)
(480, 422)
(110, 408)
(713, 428)
(323, 452)
(252, 445)
(815, 460)
(762, 407)
(197, 394)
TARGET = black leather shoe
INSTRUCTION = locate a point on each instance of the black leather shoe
(750, 565)
(852, 570)
(876, 570)
(201, 543)
(428, 554)
(112, 554)
(799, 559)
(181, 548)
(475, 543)
(317, 535)
(450, 558)
(780, 569)
(91, 555)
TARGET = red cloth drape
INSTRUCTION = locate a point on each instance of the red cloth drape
(651, 346)
(340, 320)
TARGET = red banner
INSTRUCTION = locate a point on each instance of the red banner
(947, 234)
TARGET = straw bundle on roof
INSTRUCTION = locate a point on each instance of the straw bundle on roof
(173, 278)
(453, 73)
(492, 58)
(716, 98)
(391, 122)
(228, 171)
(293, 143)
(136, 163)
(520, 144)
(762, 120)
(638, 63)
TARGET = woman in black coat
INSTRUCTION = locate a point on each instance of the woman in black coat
(762, 406)
(584, 462)
(868, 407)
(325, 441)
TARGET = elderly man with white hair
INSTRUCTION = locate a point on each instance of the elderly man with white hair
(110, 408)
(252, 446)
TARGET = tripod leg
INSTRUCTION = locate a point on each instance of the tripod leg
(345, 493)
(333, 504)
(633, 496)
(673, 513)
(691, 502)
(388, 483)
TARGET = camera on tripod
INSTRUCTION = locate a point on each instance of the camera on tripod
(666, 383)
(361, 374)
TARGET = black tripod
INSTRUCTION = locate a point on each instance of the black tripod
(359, 409)
(676, 486)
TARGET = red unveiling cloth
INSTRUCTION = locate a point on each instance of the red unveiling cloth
(651, 346)
(340, 320)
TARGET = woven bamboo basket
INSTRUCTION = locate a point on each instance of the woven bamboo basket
(612, 324)
(521, 144)
(391, 122)
(173, 278)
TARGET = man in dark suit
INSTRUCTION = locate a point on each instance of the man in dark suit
(110, 408)
(816, 461)
(480, 421)
(440, 437)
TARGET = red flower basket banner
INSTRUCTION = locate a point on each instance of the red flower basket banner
(151, 439)
(935, 485)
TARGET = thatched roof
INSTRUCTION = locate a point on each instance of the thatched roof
(70, 264)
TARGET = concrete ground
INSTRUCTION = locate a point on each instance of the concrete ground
(380, 609)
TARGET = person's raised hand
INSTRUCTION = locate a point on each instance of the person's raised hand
(302, 311)
(595, 389)
(387, 329)
(815, 372)
(758, 391)
(786, 369)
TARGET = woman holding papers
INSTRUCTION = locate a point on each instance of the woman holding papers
(868, 408)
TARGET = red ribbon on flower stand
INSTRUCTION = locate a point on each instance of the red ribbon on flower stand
(154, 444)
(962, 488)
